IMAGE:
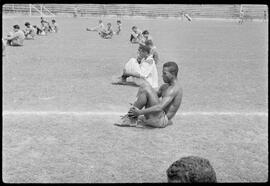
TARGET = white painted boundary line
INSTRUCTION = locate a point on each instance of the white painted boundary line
(97, 113)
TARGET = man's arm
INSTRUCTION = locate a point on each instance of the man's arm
(146, 69)
(156, 108)
(135, 74)
(162, 89)
(15, 35)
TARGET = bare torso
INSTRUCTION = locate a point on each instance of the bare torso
(174, 91)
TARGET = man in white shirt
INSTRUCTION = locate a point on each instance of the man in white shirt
(16, 38)
(143, 67)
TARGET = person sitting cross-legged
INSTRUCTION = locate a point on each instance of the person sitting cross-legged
(155, 108)
(98, 28)
(107, 33)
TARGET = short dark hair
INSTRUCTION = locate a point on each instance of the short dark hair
(118, 21)
(173, 67)
(16, 26)
(191, 169)
(145, 32)
(27, 23)
(53, 20)
(133, 27)
(144, 48)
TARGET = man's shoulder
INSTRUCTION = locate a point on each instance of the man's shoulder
(174, 90)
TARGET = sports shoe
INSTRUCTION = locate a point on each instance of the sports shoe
(126, 121)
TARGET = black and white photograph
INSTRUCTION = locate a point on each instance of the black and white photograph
(134, 93)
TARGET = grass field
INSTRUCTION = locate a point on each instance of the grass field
(59, 105)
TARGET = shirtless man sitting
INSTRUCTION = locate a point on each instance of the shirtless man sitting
(156, 113)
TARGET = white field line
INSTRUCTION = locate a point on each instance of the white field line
(97, 113)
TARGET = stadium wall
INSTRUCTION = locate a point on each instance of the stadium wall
(230, 11)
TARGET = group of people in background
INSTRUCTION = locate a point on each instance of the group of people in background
(18, 35)
(106, 33)
(144, 65)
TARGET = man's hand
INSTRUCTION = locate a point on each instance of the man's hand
(134, 112)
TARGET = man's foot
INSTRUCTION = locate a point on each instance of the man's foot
(127, 121)
(118, 80)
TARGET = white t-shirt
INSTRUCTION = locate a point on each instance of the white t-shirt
(147, 69)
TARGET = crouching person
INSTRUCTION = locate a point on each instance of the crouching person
(15, 38)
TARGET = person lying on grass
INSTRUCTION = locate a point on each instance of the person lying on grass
(29, 31)
(108, 33)
(159, 106)
(15, 38)
(142, 67)
(98, 28)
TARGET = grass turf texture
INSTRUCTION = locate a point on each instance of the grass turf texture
(223, 67)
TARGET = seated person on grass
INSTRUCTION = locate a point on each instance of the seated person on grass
(159, 106)
(29, 31)
(146, 37)
(16, 38)
(119, 25)
(136, 35)
(97, 28)
(47, 24)
(44, 27)
(142, 67)
(54, 26)
(108, 33)
(153, 50)
(38, 30)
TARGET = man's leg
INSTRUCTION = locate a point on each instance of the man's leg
(146, 97)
